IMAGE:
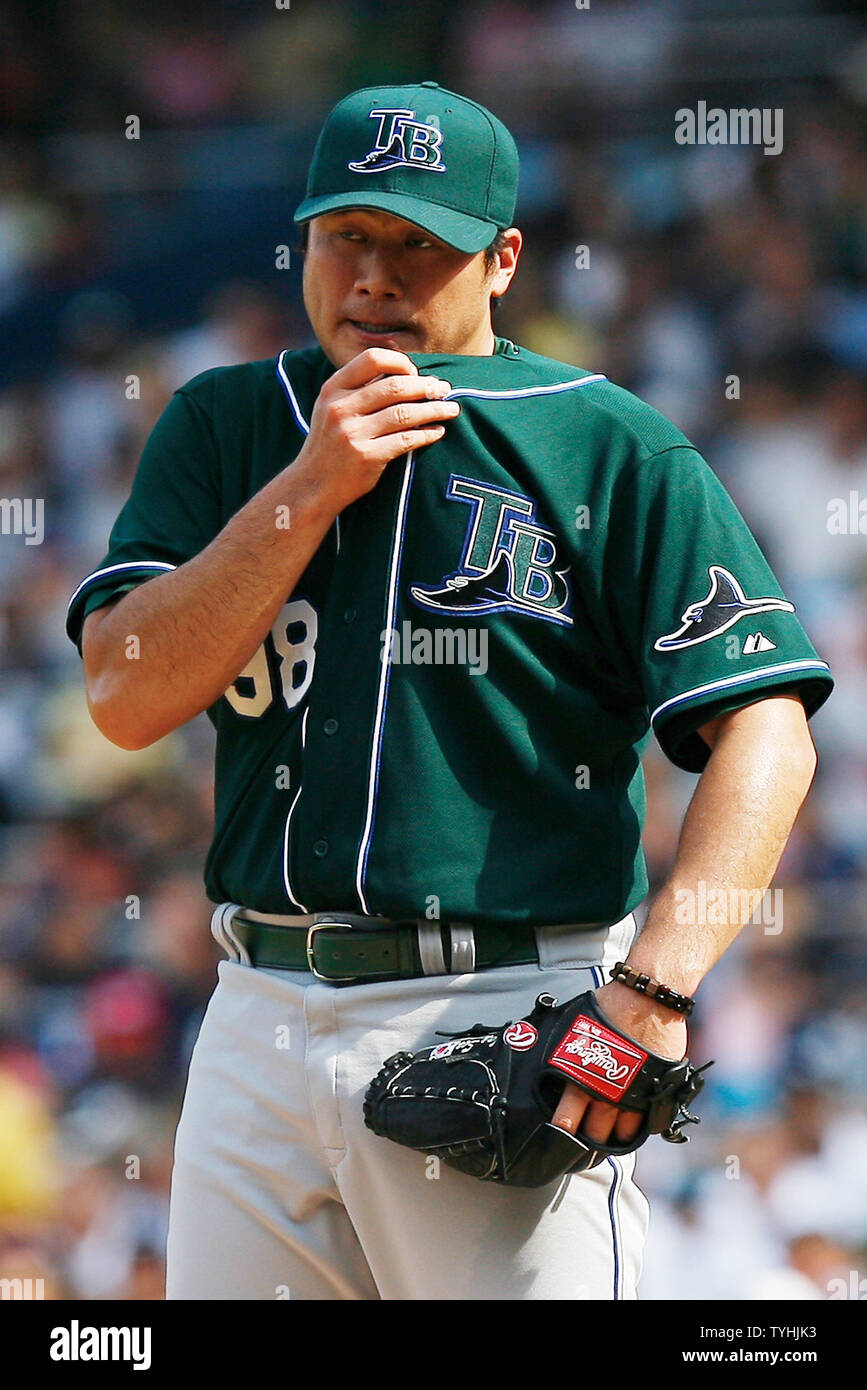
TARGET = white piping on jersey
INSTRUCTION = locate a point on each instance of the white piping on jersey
(302, 423)
(522, 391)
(115, 569)
(373, 774)
(293, 399)
(286, 883)
(730, 681)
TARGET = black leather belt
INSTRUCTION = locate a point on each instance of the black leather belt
(343, 953)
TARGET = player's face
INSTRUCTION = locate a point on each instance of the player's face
(372, 279)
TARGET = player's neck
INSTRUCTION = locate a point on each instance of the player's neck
(483, 343)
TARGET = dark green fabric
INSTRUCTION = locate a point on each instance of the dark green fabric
(425, 789)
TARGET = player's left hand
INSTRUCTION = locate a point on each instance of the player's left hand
(660, 1029)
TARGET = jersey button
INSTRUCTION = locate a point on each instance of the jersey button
(330, 726)
(320, 848)
(350, 614)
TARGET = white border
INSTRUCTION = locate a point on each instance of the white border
(302, 423)
(115, 569)
(383, 685)
(286, 880)
(287, 387)
(730, 681)
(520, 392)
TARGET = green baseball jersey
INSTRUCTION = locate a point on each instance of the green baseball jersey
(448, 715)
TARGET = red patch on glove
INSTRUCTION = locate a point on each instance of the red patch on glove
(521, 1035)
(597, 1058)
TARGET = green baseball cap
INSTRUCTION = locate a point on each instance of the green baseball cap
(422, 153)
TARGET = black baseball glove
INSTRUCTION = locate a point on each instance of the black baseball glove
(483, 1101)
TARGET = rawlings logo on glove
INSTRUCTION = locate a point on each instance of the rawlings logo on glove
(484, 1101)
(603, 1060)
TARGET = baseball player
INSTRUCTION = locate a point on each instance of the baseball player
(434, 591)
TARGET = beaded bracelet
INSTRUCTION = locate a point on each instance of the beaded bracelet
(645, 984)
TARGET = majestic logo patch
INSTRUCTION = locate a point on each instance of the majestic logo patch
(596, 1057)
(521, 1035)
(758, 642)
(725, 604)
(402, 140)
(509, 561)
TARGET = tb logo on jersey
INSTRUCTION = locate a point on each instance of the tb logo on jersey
(509, 561)
(401, 139)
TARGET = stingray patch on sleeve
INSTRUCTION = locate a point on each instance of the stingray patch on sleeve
(724, 605)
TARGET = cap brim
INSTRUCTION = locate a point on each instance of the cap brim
(457, 229)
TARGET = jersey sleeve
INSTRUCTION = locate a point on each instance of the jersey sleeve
(704, 623)
(172, 513)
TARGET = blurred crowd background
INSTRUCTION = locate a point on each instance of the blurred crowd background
(726, 287)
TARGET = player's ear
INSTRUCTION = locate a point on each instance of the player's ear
(507, 249)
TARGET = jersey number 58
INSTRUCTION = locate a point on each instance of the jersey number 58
(293, 641)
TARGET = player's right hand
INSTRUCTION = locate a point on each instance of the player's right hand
(371, 411)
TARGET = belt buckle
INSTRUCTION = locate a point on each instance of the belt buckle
(311, 959)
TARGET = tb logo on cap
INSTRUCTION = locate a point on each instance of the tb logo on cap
(402, 140)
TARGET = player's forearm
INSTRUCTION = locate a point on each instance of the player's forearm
(198, 626)
(733, 835)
